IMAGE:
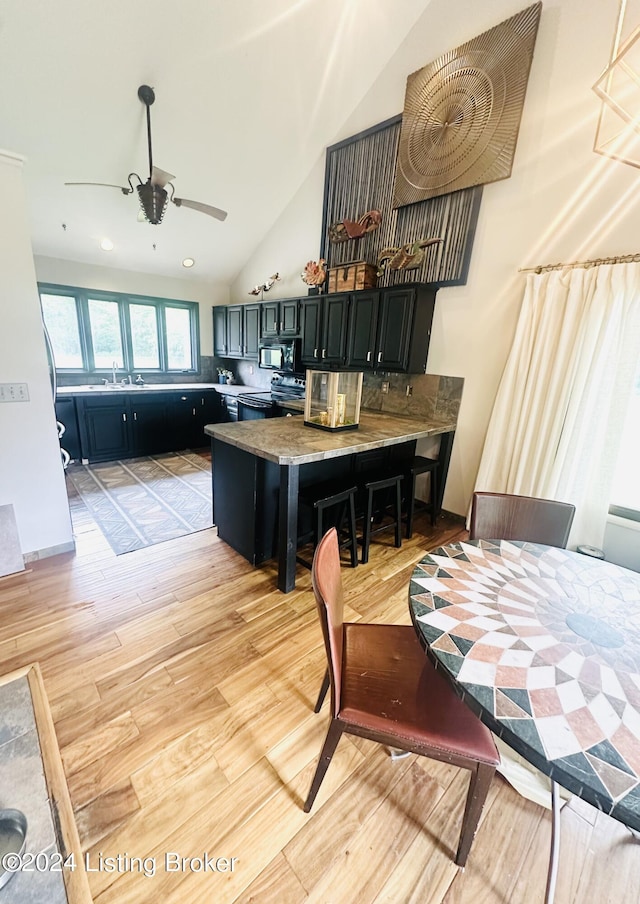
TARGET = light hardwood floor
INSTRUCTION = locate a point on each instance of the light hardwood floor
(182, 687)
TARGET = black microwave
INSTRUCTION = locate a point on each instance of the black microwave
(279, 354)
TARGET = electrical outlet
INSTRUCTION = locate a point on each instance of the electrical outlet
(385, 386)
(14, 392)
(251, 370)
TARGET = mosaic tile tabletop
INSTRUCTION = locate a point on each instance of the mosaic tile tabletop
(544, 645)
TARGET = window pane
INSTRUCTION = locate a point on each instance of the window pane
(61, 319)
(144, 336)
(178, 323)
(104, 319)
(626, 486)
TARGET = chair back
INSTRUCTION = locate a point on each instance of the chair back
(327, 587)
(500, 516)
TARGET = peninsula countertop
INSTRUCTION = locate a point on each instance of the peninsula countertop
(288, 441)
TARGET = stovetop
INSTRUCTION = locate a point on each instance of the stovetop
(284, 387)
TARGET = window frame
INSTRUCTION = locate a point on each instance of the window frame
(124, 300)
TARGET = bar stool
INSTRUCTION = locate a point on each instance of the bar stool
(412, 468)
(324, 498)
(371, 489)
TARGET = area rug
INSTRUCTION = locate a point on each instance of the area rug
(141, 501)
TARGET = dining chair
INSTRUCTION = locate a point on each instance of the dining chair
(384, 688)
(502, 516)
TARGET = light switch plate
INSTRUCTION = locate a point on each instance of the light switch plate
(14, 392)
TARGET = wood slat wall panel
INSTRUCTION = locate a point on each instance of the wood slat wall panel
(360, 176)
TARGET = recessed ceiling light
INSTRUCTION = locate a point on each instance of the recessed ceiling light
(106, 245)
(188, 262)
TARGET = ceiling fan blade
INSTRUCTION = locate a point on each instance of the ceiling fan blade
(125, 191)
(203, 208)
(160, 177)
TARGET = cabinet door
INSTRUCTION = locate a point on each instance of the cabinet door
(396, 324)
(270, 317)
(251, 330)
(104, 428)
(151, 427)
(334, 328)
(234, 331)
(186, 420)
(289, 317)
(220, 331)
(311, 313)
(363, 326)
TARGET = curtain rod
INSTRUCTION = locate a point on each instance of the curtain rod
(624, 259)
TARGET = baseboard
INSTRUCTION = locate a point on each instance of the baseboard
(36, 554)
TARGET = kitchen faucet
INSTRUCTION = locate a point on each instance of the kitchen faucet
(114, 367)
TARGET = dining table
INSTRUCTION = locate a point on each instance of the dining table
(543, 644)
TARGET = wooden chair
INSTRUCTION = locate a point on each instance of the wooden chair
(383, 687)
(500, 516)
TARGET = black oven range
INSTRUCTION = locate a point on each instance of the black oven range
(285, 387)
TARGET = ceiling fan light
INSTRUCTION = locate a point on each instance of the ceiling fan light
(153, 202)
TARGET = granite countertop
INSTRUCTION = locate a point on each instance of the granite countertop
(95, 389)
(288, 441)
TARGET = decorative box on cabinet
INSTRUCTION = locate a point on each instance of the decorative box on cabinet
(352, 276)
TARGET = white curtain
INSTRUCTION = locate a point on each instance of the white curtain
(559, 412)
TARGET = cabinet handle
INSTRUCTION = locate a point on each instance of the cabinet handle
(379, 357)
(368, 356)
(324, 352)
(124, 416)
(194, 411)
(183, 398)
(135, 415)
(315, 353)
(281, 326)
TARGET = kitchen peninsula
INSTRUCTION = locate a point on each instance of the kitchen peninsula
(259, 467)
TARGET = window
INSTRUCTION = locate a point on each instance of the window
(61, 317)
(625, 497)
(92, 331)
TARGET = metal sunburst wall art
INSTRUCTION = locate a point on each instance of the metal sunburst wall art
(462, 112)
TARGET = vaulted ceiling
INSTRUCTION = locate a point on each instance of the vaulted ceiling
(248, 95)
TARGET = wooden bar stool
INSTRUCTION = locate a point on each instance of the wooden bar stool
(391, 506)
(340, 504)
(413, 467)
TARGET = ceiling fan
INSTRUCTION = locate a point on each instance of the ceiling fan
(152, 194)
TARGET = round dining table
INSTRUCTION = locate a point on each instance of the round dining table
(543, 644)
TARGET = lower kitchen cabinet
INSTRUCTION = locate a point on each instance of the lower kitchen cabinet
(125, 424)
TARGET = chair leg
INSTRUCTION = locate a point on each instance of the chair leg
(324, 687)
(331, 742)
(366, 531)
(481, 778)
(398, 515)
(411, 492)
(352, 531)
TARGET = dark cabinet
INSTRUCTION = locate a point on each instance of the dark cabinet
(220, 331)
(191, 411)
(242, 331)
(404, 328)
(363, 330)
(324, 334)
(150, 423)
(280, 318)
(234, 331)
(104, 427)
(126, 424)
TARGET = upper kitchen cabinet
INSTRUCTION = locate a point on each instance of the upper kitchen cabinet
(280, 318)
(324, 329)
(242, 331)
(404, 328)
(220, 345)
(363, 330)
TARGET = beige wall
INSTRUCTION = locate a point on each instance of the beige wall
(561, 202)
(87, 276)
